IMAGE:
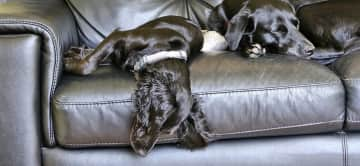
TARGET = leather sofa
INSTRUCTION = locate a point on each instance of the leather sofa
(275, 110)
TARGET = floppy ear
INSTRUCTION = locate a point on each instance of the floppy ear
(237, 27)
(217, 20)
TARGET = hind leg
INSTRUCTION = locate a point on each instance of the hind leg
(84, 65)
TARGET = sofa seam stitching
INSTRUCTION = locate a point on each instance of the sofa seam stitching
(283, 127)
(347, 150)
(286, 87)
(351, 79)
(215, 135)
(209, 93)
(353, 121)
(95, 103)
(343, 148)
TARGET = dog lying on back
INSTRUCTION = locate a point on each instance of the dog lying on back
(258, 26)
(163, 97)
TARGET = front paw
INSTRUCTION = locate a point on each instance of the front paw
(78, 66)
(255, 51)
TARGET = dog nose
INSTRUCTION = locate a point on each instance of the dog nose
(309, 50)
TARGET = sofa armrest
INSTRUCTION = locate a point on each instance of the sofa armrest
(20, 134)
(53, 22)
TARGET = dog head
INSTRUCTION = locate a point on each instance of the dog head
(271, 23)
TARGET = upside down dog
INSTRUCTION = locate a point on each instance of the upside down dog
(163, 97)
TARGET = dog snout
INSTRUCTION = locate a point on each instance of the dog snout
(309, 50)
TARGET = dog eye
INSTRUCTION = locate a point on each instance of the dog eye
(282, 29)
(295, 23)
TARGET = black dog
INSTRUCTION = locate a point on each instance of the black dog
(271, 24)
(163, 97)
(334, 33)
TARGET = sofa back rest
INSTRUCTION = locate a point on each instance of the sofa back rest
(97, 18)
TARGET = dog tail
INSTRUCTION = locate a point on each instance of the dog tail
(194, 132)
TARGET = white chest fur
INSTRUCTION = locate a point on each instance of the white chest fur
(213, 41)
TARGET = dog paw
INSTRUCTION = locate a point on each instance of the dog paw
(256, 51)
(75, 61)
(78, 66)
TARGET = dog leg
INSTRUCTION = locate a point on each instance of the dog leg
(255, 51)
(89, 63)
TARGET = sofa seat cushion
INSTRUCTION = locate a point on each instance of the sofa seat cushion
(348, 69)
(269, 96)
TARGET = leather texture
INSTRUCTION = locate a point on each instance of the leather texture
(239, 95)
(318, 150)
(53, 22)
(353, 148)
(271, 96)
(20, 100)
(338, 29)
(348, 70)
(95, 24)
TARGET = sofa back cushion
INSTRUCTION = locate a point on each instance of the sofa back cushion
(96, 19)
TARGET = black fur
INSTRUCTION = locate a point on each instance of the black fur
(163, 97)
(270, 23)
(164, 103)
(333, 27)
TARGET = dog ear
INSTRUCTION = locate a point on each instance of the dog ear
(237, 27)
(217, 20)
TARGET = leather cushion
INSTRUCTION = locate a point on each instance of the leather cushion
(353, 150)
(20, 99)
(54, 23)
(97, 19)
(348, 69)
(270, 96)
(319, 150)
